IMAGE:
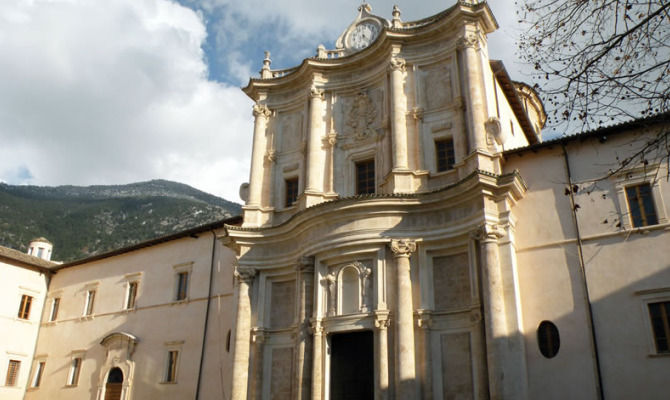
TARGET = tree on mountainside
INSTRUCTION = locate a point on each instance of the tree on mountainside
(599, 62)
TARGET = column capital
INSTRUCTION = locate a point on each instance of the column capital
(270, 156)
(488, 232)
(316, 327)
(424, 318)
(402, 247)
(258, 335)
(245, 274)
(470, 40)
(397, 64)
(382, 319)
(306, 264)
(316, 93)
(261, 110)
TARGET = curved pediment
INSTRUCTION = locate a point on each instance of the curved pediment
(123, 336)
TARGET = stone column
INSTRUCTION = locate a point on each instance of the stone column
(425, 323)
(495, 321)
(315, 156)
(406, 369)
(382, 322)
(245, 277)
(303, 345)
(256, 387)
(475, 96)
(398, 114)
(317, 362)
(261, 115)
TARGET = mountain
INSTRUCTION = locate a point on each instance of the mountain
(82, 221)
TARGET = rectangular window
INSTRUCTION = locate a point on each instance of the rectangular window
(24, 308)
(182, 285)
(444, 154)
(54, 309)
(12, 372)
(660, 324)
(365, 177)
(90, 300)
(75, 369)
(131, 295)
(39, 371)
(641, 205)
(291, 191)
(171, 370)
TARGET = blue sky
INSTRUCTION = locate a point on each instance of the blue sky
(119, 91)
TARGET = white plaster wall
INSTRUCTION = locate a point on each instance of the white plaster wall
(18, 335)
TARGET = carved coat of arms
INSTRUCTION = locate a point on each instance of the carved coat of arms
(361, 117)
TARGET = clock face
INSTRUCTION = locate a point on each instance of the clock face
(364, 34)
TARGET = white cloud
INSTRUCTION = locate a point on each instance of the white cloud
(94, 93)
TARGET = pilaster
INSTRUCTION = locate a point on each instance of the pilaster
(382, 323)
(244, 279)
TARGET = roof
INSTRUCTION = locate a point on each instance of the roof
(41, 239)
(507, 86)
(600, 133)
(25, 259)
(167, 238)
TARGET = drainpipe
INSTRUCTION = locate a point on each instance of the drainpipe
(582, 269)
(209, 301)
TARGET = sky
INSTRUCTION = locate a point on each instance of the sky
(97, 92)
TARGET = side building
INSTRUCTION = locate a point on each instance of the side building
(145, 322)
(23, 280)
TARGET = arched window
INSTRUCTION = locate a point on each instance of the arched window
(349, 293)
(115, 376)
(548, 339)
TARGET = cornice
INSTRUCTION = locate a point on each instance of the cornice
(415, 31)
(510, 184)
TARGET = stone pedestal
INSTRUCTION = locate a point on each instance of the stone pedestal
(406, 368)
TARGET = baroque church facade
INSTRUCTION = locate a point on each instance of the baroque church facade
(406, 234)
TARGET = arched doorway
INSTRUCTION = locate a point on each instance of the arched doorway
(114, 384)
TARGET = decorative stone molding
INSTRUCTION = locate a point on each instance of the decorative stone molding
(470, 40)
(265, 71)
(261, 110)
(245, 275)
(489, 232)
(397, 64)
(330, 283)
(475, 316)
(402, 247)
(424, 319)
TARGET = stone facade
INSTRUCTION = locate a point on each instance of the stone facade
(430, 216)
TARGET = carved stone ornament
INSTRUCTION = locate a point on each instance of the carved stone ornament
(364, 273)
(403, 247)
(258, 335)
(361, 117)
(424, 319)
(470, 40)
(397, 64)
(493, 131)
(489, 232)
(261, 110)
(330, 282)
(316, 328)
(416, 113)
(330, 140)
(245, 274)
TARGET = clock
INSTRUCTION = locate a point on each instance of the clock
(363, 35)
